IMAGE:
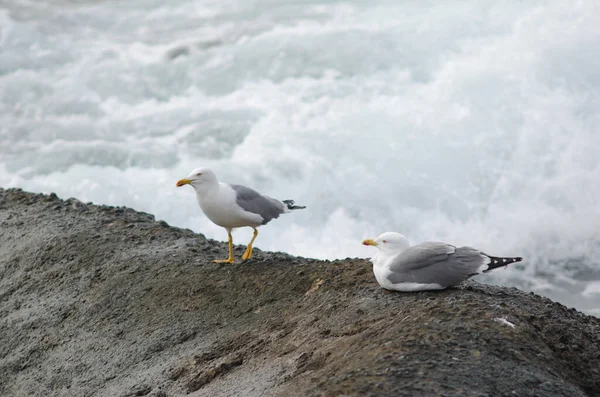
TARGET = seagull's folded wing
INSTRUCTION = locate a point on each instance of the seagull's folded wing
(436, 263)
(252, 201)
(421, 256)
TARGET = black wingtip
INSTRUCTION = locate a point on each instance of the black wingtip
(290, 205)
(496, 262)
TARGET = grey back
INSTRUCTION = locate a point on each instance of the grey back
(436, 263)
(252, 201)
(421, 256)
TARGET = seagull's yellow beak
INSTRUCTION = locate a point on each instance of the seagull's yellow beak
(369, 242)
(182, 182)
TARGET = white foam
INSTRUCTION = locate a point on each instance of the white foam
(377, 117)
(593, 288)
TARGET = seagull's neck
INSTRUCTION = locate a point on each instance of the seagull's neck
(384, 258)
(381, 259)
(206, 189)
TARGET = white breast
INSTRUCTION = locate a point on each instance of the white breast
(381, 271)
(220, 206)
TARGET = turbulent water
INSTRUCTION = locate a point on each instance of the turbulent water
(472, 122)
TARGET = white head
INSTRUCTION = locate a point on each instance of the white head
(389, 242)
(200, 178)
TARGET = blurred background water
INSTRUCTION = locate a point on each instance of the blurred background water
(472, 122)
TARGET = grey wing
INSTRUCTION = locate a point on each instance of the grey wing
(252, 201)
(436, 263)
(422, 255)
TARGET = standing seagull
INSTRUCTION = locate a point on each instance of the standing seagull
(427, 266)
(232, 206)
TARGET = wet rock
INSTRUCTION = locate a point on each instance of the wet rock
(105, 301)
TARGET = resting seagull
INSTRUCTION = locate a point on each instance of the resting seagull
(427, 266)
(233, 206)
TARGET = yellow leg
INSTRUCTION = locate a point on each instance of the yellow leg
(248, 253)
(230, 259)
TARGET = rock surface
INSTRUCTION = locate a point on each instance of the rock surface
(104, 301)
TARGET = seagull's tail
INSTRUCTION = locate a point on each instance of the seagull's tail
(496, 262)
(290, 205)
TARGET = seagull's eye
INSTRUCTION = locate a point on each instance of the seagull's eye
(384, 241)
(199, 174)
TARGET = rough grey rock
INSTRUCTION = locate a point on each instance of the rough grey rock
(104, 301)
